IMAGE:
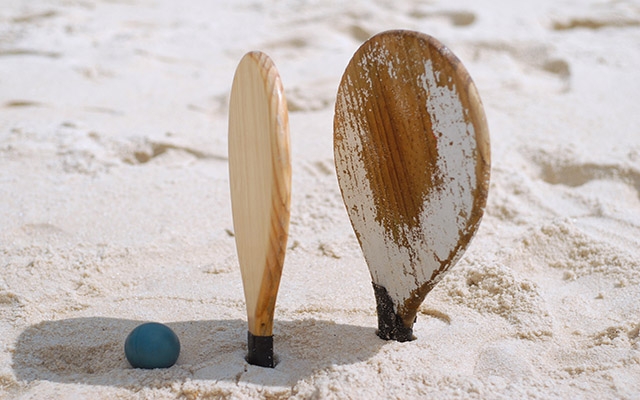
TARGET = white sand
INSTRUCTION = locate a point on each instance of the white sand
(115, 203)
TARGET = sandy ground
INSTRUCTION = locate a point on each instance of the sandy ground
(115, 203)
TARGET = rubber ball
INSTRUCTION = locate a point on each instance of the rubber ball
(152, 345)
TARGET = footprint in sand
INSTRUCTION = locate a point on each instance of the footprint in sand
(144, 151)
(607, 188)
(457, 18)
(561, 245)
(610, 15)
(578, 173)
(22, 104)
(321, 168)
(529, 59)
(313, 96)
(496, 290)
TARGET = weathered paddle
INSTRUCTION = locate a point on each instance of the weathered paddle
(260, 178)
(412, 157)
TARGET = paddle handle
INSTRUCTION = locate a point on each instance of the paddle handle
(390, 324)
(260, 350)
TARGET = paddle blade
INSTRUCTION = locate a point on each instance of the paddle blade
(411, 148)
(260, 180)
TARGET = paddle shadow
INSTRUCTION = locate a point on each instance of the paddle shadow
(91, 351)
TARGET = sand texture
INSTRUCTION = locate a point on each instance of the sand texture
(115, 207)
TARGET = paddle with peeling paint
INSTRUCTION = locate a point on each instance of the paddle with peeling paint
(260, 180)
(412, 156)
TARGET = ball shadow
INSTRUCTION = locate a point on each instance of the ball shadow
(91, 351)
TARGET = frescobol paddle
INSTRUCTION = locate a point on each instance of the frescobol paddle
(412, 156)
(260, 179)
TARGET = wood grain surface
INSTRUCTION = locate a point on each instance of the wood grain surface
(260, 179)
(412, 157)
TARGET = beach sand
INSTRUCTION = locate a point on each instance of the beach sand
(115, 205)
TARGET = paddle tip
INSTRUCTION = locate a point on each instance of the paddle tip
(390, 325)
(260, 350)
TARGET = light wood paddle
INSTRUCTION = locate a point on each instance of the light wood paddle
(260, 179)
(412, 156)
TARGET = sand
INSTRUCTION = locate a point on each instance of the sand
(115, 203)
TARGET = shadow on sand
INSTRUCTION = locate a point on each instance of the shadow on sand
(91, 351)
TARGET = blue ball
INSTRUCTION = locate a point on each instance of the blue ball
(152, 345)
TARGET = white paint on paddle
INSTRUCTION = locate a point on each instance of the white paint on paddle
(456, 164)
(445, 209)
